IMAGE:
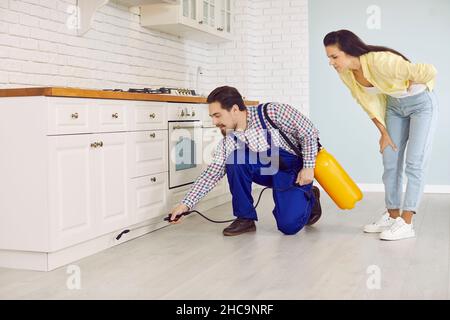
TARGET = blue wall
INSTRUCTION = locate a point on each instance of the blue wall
(418, 29)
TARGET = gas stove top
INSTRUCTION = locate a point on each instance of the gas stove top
(163, 90)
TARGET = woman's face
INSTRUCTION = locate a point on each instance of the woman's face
(338, 58)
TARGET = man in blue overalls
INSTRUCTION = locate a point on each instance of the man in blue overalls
(254, 150)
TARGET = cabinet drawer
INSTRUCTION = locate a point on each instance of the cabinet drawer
(112, 115)
(147, 152)
(66, 116)
(148, 116)
(148, 197)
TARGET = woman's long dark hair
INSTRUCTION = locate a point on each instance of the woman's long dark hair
(352, 45)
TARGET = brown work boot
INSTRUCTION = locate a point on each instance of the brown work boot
(316, 211)
(239, 226)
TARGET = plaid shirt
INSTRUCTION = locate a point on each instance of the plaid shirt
(294, 124)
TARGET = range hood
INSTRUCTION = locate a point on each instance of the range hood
(87, 8)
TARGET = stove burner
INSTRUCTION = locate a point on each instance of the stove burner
(114, 90)
(162, 90)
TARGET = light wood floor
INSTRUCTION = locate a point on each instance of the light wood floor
(193, 260)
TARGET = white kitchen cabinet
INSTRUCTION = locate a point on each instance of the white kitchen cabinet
(111, 174)
(70, 116)
(199, 20)
(225, 16)
(147, 152)
(111, 115)
(71, 185)
(78, 171)
(148, 197)
(148, 116)
(217, 16)
(88, 178)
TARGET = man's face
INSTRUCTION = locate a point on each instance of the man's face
(223, 119)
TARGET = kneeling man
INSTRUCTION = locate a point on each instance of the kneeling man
(253, 150)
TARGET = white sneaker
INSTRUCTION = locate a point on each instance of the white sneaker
(382, 224)
(399, 230)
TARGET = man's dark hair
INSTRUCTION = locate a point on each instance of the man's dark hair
(227, 97)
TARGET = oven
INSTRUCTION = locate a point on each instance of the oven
(185, 152)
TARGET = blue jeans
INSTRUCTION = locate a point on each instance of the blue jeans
(411, 123)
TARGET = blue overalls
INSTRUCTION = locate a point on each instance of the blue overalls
(293, 203)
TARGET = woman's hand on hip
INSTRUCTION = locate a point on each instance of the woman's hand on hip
(386, 141)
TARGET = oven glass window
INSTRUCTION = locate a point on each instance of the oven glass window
(185, 154)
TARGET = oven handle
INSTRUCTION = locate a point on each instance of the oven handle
(187, 127)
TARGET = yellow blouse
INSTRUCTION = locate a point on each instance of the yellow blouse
(391, 74)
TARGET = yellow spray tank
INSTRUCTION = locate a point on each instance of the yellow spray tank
(328, 172)
(335, 181)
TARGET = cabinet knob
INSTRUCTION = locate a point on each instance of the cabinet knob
(115, 115)
(100, 144)
(152, 115)
(75, 115)
(153, 135)
(94, 145)
(200, 22)
(153, 179)
(220, 29)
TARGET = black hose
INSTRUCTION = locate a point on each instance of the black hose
(225, 221)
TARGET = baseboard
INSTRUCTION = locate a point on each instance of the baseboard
(440, 189)
(47, 261)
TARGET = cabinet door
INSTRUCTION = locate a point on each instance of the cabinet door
(148, 197)
(190, 13)
(225, 16)
(71, 185)
(111, 170)
(208, 14)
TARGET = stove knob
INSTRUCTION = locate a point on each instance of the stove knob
(193, 113)
(182, 113)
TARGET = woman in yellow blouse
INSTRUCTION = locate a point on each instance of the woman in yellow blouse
(398, 96)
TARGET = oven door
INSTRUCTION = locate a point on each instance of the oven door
(185, 152)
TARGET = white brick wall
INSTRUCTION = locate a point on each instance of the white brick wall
(268, 60)
(37, 49)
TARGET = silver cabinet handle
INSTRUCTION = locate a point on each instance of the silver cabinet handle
(153, 179)
(152, 115)
(75, 115)
(153, 135)
(115, 115)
